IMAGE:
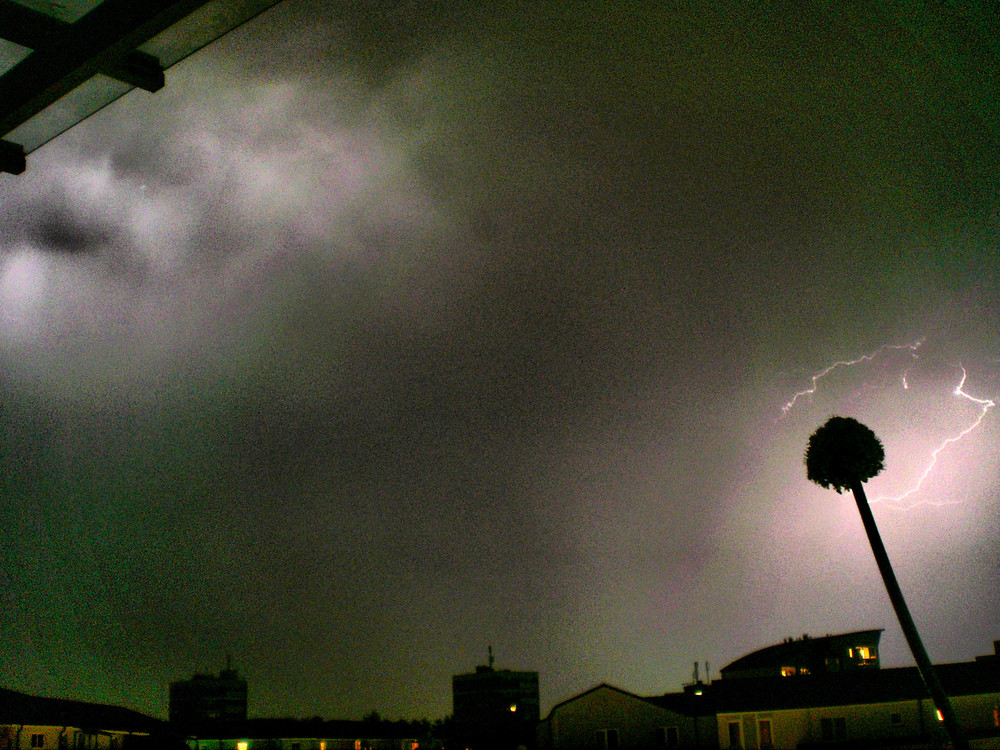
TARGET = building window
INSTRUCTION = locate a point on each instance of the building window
(826, 729)
(766, 740)
(38, 740)
(673, 737)
(896, 719)
(863, 655)
(668, 737)
(788, 671)
(833, 730)
(734, 735)
(607, 739)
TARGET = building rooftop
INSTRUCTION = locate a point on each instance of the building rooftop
(21, 708)
(805, 655)
(849, 688)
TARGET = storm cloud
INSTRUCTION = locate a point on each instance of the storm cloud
(384, 333)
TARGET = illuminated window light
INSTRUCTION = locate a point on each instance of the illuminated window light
(242, 745)
(939, 714)
(788, 671)
(322, 745)
(513, 707)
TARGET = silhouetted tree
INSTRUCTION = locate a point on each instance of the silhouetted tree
(844, 454)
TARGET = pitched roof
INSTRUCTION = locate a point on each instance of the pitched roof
(577, 697)
(686, 704)
(22, 708)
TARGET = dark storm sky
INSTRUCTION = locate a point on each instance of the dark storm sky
(386, 332)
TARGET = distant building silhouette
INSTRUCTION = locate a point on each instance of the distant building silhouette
(207, 699)
(495, 709)
(846, 652)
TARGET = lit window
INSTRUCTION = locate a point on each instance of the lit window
(863, 652)
(242, 745)
(788, 671)
(513, 707)
(939, 714)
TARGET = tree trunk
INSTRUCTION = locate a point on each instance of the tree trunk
(924, 666)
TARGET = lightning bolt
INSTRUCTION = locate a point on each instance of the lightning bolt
(848, 363)
(984, 404)
(897, 501)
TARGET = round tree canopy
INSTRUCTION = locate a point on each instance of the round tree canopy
(841, 452)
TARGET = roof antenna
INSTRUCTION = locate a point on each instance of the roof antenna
(490, 653)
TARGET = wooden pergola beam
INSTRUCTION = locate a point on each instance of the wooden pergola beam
(43, 33)
(100, 41)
